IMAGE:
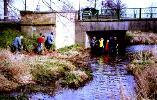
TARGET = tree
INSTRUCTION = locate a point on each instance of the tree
(114, 8)
(6, 11)
(67, 6)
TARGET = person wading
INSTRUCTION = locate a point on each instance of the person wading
(101, 46)
(93, 44)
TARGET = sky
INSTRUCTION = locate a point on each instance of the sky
(84, 3)
(57, 5)
(140, 3)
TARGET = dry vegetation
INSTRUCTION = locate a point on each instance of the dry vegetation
(63, 67)
(144, 68)
(138, 37)
(144, 64)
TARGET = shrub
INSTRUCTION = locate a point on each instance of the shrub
(129, 37)
(29, 43)
(7, 36)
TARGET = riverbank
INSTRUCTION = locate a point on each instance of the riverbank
(33, 73)
(139, 37)
(144, 64)
(144, 67)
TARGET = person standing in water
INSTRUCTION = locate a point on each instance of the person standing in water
(93, 44)
(101, 46)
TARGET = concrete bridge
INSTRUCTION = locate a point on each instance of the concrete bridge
(69, 30)
(85, 29)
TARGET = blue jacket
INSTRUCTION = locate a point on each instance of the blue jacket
(50, 39)
(17, 42)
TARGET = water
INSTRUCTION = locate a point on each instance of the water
(110, 81)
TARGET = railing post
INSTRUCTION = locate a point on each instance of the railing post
(151, 12)
(140, 14)
(78, 15)
(118, 13)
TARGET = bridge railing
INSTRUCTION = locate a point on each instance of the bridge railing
(127, 13)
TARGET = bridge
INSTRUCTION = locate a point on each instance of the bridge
(79, 27)
(102, 25)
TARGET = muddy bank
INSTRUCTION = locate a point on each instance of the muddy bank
(33, 73)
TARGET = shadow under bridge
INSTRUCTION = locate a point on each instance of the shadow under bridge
(107, 35)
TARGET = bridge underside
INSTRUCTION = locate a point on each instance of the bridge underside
(106, 34)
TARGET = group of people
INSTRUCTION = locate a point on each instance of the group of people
(100, 46)
(17, 43)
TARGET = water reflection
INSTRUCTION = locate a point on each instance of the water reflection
(110, 82)
(138, 48)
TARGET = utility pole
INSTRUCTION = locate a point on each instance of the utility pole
(25, 5)
(95, 4)
(50, 6)
(79, 11)
(6, 10)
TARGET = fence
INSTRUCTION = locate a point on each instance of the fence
(127, 13)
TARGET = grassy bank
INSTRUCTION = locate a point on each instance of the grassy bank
(144, 68)
(65, 67)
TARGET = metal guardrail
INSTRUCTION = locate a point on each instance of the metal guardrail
(127, 13)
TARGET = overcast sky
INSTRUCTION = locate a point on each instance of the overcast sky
(31, 4)
(140, 3)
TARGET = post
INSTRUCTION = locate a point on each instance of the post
(151, 12)
(95, 4)
(140, 14)
(6, 10)
(50, 6)
(79, 11)
(118, 13)
(25, 5)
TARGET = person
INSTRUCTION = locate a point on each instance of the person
(113, 45)
(17, 44)
(93, 44)
(107, 46)
(101, 46)
(49, 41)
(40, 41)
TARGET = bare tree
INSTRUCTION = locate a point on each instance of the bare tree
(114, 7)
(67, 6)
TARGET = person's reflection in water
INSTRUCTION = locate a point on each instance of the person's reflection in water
(104, 59)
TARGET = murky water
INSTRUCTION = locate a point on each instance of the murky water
(110, 81)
